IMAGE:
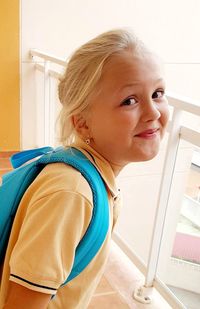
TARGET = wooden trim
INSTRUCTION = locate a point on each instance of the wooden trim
(7, 154)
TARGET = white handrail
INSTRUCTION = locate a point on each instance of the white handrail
(184, 103)
(48, 57)
(190, 136)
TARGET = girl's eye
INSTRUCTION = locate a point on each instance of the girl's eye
(158, 94)
(129, 101)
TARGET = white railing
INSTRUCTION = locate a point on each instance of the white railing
(176, 132)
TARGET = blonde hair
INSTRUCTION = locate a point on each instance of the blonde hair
(83, 72)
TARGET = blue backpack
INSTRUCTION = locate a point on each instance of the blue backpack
(15, 183)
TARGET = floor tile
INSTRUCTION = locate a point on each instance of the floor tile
(110, 301)
(124, 277)
(104, 287)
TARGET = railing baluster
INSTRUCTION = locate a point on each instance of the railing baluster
(165, 187)
(164, 193)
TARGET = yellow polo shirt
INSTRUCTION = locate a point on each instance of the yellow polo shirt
(53, 215)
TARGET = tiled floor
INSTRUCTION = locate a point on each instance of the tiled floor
(120, 280)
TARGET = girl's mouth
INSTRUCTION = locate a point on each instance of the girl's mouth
(148, 133)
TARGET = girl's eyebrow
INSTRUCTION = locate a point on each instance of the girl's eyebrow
(130, 85)
(136, 83)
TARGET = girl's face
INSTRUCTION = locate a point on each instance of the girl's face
(129, 113)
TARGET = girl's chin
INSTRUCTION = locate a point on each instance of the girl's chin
(145, 156)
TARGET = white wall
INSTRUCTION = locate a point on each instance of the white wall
(169, 27)
(59, 26)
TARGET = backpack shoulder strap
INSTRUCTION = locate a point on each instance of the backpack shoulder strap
(99, 224)
(23, 156)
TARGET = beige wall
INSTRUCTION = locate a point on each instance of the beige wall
(9, 76)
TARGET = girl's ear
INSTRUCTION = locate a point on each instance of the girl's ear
(80, 125)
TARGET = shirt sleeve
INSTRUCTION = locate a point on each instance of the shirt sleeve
(44, 253)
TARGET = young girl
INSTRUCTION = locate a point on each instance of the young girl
(114, 111)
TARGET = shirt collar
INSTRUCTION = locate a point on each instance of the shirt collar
(101, 164)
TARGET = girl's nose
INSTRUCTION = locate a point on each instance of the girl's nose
(150, 111)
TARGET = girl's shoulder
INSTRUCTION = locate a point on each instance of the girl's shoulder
(60, 177)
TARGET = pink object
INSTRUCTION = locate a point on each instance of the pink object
(187, 247)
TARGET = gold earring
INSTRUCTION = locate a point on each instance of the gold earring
(87, 141)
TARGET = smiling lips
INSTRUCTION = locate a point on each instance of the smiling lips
(148, 133)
